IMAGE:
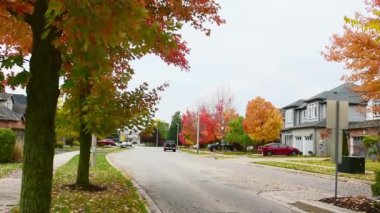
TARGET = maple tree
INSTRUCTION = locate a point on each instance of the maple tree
(188, 135)
(359, 49)
(91, 42)
(223, 112)
(263, 122)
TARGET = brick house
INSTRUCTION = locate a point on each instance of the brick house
(12, 113)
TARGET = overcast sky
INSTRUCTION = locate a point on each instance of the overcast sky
(267, 48)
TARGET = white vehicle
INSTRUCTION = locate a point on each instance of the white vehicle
(126, 145)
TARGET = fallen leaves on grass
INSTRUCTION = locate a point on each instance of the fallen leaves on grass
(358, 203)
(110, 190)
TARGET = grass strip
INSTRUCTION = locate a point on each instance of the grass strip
(316, 169)
(7, 168)
(369, 165)
(194, 152)
(111, 191)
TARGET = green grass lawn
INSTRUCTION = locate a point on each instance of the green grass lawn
(316, 169)
(7, 168)
(369, 165)
(113, 192)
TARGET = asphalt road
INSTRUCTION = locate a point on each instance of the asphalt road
(181, 182)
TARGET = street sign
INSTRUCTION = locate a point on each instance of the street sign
(337, 121)
(331, 114)
(334, 146)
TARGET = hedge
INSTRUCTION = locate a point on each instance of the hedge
(7, 144)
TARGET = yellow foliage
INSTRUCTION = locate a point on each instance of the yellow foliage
(263, 122)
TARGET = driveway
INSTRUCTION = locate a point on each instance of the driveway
(181, 182)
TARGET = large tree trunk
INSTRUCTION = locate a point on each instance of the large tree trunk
(42, 91)
(84, 158)
(85, 141)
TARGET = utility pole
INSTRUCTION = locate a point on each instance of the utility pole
(177, 134)
(198, 133)
(157, 137)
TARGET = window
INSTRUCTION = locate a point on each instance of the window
(376, 109)
(312, 110)
(309, 138)
(289, 116)
(288, 139)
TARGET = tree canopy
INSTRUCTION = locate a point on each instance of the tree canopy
(359, 49)
(263, 122)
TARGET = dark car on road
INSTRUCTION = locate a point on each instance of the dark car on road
(278, 149)
(170, 145)
(221, 146)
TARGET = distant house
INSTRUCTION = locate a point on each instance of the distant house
(356, 133)
(305, 119)
(12, 113)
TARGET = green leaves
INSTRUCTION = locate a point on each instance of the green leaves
(14, 79)
(11, 61)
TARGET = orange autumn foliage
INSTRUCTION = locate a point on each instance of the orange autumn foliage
(263, 122)
(359, 49)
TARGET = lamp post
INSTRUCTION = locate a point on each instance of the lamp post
(198, 133)
(177, 133)
(157, 137)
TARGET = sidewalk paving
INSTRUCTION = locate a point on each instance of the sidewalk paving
(10, 187)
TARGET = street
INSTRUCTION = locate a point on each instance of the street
(181, 182)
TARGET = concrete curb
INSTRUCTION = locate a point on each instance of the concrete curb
(327, 207)
(344, 179)
(268, 196)
(152, 206)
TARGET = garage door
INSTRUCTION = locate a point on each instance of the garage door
(308, 146)
(298, 143)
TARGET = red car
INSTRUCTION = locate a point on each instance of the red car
(106, 142)
(278, 149)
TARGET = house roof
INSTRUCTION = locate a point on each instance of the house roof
(19, 108)
(295, 104)
(7, 114)
(365, 124)
(4, 96)
(343, 92)
(19, 98)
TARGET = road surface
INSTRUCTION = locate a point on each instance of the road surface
(181, 182)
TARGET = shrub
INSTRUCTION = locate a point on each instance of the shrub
(18, 152)
(58, 144)
(376, 186)
(76, 143)
(7, 143)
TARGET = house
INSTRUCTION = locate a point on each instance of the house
(12, 113)
(357, 131)
(305, 119)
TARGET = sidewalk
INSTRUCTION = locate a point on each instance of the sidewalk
(10, 187)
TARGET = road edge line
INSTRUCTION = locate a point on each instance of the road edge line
(152, 206)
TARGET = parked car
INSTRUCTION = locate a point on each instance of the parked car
(221, 146)
(170, 145)
(278, 149)
(106, 142)
(127, 144)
